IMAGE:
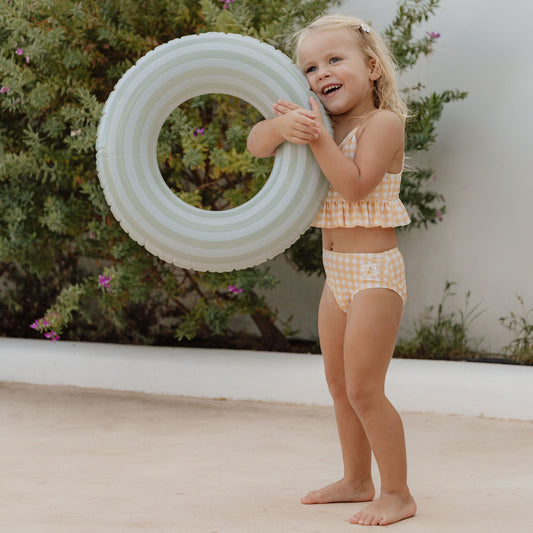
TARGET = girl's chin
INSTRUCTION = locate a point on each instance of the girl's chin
(335, 112)
(331, 109)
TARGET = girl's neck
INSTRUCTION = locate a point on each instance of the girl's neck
(345, 123)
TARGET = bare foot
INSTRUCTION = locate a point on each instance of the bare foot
(341, 491)
(389, 508)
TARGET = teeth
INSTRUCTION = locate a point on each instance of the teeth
(331, 88)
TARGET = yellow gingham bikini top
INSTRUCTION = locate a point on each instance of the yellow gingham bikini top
(381, 208)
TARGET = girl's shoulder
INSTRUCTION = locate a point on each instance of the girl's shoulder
(384, 128)
(382, 120)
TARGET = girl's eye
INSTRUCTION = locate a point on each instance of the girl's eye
(310, 69)
(334, 59)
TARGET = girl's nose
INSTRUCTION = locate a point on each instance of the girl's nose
(323, 73)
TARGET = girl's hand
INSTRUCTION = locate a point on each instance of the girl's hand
(282, 107)
(296, 124)
(315, 108)
(291, 123)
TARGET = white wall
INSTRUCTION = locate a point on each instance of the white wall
(449, 387)
(482, 159)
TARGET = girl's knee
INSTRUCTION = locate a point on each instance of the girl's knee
(363, 398)
(337, 388)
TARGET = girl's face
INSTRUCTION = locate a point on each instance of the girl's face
(338, 72)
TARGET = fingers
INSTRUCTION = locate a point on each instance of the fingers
(315, 108)
(298, 125)
(302, 137)
(298, 128)
(314, 105)
(282, 107)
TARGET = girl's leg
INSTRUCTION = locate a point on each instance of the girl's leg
(356, 485)
(372, 326)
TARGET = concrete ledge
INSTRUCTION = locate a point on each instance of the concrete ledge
(476, 389)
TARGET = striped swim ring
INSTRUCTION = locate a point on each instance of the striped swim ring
(139, 198)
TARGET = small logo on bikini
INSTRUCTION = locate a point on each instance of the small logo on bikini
(370, 271)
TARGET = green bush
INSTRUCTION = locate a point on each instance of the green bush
(63, 256)
(442, 334)
(520, 325)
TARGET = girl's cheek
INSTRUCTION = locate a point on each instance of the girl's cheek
(312, 82)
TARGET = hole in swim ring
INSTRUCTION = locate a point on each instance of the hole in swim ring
(202, 152)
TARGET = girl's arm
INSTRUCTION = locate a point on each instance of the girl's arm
(379, 146)
(298, 126)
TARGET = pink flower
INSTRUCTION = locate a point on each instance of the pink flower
(439, 215)
(35, 325)
(226, 3)
(52, 336)
(199, 131)
(234, 289)
(19, 51)
(5, 89)
(433, 34)
(104, 282)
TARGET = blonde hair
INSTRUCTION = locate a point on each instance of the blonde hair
(386, 93)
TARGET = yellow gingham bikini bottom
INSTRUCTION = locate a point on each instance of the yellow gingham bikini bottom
(349, 273)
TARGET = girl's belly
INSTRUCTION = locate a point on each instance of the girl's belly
(359, 239)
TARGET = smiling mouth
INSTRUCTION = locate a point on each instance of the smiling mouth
(330, 89)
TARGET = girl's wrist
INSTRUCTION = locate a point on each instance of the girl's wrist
(322, 135)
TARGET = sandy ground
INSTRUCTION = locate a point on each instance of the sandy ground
(77, 460)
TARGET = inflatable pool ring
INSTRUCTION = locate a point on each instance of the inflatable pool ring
(149, 211)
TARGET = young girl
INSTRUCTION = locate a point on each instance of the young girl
(350, 70)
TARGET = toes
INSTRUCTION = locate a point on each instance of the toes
(376, 521)
(366, 519)
(310, 498)
(360, 519)
(355, 518)
(370, 520)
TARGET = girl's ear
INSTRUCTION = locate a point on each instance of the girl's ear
(375, 69)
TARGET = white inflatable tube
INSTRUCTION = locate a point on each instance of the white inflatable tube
(149, 211)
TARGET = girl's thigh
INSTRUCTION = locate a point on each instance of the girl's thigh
(331, 328)
(371, 331)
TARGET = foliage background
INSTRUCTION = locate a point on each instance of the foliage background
(65, 263)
